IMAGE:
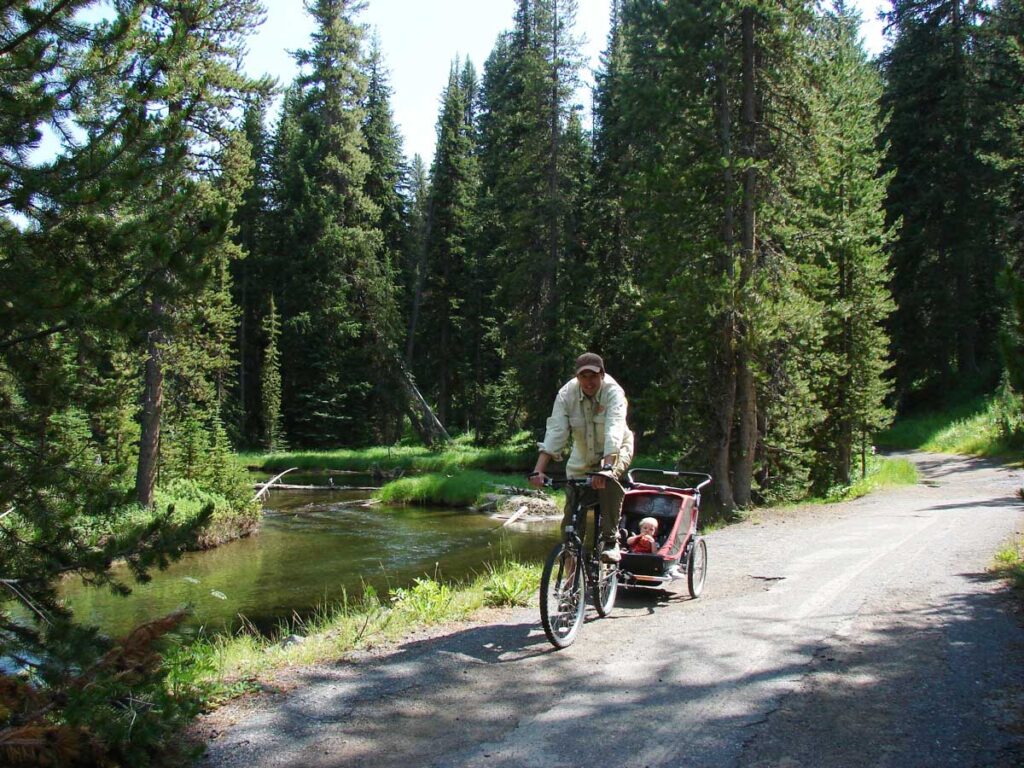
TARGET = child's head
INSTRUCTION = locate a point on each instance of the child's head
(649, 526)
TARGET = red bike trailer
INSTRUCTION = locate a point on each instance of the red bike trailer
(681, 554)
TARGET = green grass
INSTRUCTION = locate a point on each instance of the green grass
(1010, 565)
(915, 431)
(510, 584)
(225, 666)
(457, 489)
(988, 426)
(882, 473)
(517, 455)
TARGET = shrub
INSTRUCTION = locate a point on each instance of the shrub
(426, 600)
(510, 585)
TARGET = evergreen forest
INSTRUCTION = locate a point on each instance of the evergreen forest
(776, 242)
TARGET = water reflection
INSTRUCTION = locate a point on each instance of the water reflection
(314, 548)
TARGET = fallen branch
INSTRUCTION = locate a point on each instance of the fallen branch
(288, 487)
(519, 512)
(270, 482)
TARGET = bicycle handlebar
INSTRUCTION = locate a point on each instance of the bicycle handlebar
(550, 482)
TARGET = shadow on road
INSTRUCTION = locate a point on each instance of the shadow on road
(1003, 501)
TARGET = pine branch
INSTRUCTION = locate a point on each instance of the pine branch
(43, 22)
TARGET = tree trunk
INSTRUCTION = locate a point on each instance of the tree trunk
(152, 408)
(743, 466)
(844, 439)
(746, 442)
(724, 373)
(964, 302)
(548, 335)
(554, 222)
(243, 357)
(444, 373)
(426, 424)
(417, 293)
(725, 408)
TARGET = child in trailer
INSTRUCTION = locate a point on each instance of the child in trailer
(643, 543)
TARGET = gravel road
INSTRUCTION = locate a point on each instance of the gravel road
(862, 634)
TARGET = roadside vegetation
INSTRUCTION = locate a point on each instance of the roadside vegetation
(990, 426)
(1010, 565)
(882, 472)
(225, 666)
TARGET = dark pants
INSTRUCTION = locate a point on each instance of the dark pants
(610, 499)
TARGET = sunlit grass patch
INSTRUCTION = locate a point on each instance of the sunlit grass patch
(455, 489)
(426, 601)
(227, 665)
(882, 472)
(987, 426)
(977, 435)
(1010, 564)
(517, 454)
(510, 584)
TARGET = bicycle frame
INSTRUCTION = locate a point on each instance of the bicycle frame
(563, 596)
(576, 530)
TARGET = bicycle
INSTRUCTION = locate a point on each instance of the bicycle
(571, 570)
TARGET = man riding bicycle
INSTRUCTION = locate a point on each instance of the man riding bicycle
(591, 407)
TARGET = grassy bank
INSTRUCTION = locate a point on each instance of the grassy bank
(987, 426)
(223, 666)
(233, 517)
(881, 473)
(458, 489)
(516, 456)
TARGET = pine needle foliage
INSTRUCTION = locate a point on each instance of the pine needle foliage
(113, 278)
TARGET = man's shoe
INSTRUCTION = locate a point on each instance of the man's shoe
(611, 554)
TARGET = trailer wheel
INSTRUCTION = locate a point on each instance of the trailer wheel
(697, 567)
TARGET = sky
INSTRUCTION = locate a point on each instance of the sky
(421, 38)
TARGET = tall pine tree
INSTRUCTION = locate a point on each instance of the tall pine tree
(944, 262)
(446, 325)
(847, 196)
(528, 83)
(337, 297)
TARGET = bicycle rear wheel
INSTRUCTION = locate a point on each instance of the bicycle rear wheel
(562, 596)
(607, 588)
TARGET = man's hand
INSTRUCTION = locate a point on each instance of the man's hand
(598, 482)
(537, 479)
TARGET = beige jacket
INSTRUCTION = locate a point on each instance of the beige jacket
(597, 426)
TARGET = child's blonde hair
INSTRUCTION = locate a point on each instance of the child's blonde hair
(650, 521)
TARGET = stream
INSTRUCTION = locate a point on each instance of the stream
(314, 549)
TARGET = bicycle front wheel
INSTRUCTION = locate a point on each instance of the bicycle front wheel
(607, 588)
(562, 596)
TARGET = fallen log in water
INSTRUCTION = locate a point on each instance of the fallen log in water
(290, 487)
